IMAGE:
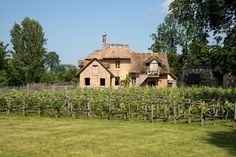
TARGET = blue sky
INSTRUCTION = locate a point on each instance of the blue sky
(73, 28)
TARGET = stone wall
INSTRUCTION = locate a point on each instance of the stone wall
(229, 80)
(197, 74)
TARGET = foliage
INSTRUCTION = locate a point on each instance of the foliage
(52, 61)
(124, 99)
(29, 54)
(4, 63)
(188, 26)
(126, 81)
(66, 73)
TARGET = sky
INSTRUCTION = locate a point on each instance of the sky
(74, 28)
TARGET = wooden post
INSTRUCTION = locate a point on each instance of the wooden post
(109, 100)
(129, 115)
(23, 109)
(157, 107)
(145, 111)
(66, 101)
(202, 118)
(174, 112)
(216, 110)
(89, 109)
(235, 114)
(177, 113)
(189, 111)
(27, 87)
(39, 111)
(152, 112)
(56, 113)
(8, 111)
(165, 111)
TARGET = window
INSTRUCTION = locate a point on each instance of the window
(117, 65)
(153, 69)
(102, 82)
(117, 81)
(133, 81)
(87, 81)
(95, 69)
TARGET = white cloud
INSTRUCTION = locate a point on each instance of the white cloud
(165, 5)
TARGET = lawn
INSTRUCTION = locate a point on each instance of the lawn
(34, 136)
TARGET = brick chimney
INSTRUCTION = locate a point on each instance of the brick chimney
(104, 39)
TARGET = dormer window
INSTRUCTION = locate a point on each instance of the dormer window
(153, 67)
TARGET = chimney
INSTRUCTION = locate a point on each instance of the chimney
(104, 39)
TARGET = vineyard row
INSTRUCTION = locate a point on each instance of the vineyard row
(150, 104)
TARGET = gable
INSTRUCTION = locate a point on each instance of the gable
(94, 62)
(153, 59)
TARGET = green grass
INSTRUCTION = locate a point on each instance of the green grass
(34, 136)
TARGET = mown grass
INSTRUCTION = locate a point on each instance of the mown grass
(37, 137)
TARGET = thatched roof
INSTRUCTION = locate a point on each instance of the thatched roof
(138, 59)
(110, 52)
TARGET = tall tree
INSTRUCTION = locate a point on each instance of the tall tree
(169, 37)
(199, 53)
(195, 21)
(4, 56)
(29, 54)
(52, 61)
(4, 63)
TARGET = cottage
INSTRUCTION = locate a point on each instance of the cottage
(116, 63)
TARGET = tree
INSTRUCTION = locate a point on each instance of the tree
(28, 56)
(189, 24)
(4, 56)
(4, 63)
(199, 53)
(63, 73)
(169, 36)
(70, 72)
(166, 38)
(190, 15)
(52, 61)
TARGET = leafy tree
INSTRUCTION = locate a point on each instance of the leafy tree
(190, 15)
(68, 73)
(4, 63)
(189, 24)
(52, 61)
(4, 56)
(166, 37)
(169, 36)
(48, 77)
(62, 73)
(29, 54)
(198, 53)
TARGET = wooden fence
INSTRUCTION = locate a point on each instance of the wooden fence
(132, 107)
(37, 86)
